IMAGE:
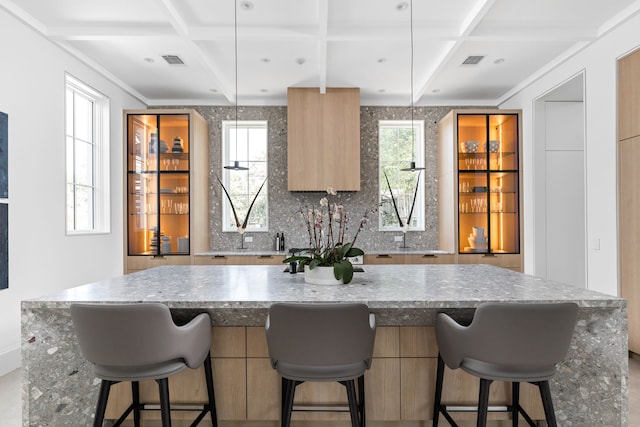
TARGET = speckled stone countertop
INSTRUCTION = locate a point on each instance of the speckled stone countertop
(252, 252)
(590, 388)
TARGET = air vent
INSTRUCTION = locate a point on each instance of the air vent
(472, 60)
(173, 59)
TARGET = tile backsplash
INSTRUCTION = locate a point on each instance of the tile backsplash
(284, 205)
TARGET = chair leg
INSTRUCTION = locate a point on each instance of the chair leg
(361, 405)
(515, 403)
(288, 394)
(105, 387)
(547, 403)
(353, 405)
(437, 401)
(165, 409)
(135, 395)
(208, 373)
(483, 402)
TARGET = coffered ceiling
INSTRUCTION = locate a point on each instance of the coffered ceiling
(322, 43)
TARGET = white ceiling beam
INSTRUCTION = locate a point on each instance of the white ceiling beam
(323, 24)
(182, 29)
(478, 12)
(109, 32)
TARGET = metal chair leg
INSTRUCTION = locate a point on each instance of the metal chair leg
(515, 403)
(208, 373)
(288, 395)
(483, 402)
(361, 405)
(165, 408)
(547, 403)
(353, 405)
(105, 387)
(135, 394)
(437, 401)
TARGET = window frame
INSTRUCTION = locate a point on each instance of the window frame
(228, 156)
(418, 152)
(101, 206)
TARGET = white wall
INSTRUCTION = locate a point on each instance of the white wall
(42, 259)
(599, 61)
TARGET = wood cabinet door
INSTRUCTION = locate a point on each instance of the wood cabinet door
(323, 142)
(629, 96)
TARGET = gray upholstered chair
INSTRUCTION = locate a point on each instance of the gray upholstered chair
(136, 342)
(506, 342)
(321, 342)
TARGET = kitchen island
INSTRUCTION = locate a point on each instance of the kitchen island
(589, 389)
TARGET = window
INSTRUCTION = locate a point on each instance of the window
(248, 145)
(87, 168)
(396, 152)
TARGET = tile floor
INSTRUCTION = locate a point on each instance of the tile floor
(11, 394)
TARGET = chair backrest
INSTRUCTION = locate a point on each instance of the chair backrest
(320, 334)
(522, 334)
(138, 335)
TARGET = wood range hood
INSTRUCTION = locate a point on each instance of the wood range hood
(323, 141)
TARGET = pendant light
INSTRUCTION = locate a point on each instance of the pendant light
(412, 165)
(236, 163)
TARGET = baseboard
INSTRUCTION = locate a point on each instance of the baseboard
(10, 360)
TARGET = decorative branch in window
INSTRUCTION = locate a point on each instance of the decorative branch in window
(403, 225)
(241, 227)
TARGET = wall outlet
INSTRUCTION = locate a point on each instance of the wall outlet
(248, 239)
(397, 238)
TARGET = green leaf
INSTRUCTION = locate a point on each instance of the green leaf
(354, 252)
(314, 263)
(343, 270)
(295, 258)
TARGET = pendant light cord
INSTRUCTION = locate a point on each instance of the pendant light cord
(235, 46)
(413, 141)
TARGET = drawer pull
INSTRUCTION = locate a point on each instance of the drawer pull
(158, 257)
(429, 256)
(219, 257)
(383, 256)
(265, 256)
(488, 255)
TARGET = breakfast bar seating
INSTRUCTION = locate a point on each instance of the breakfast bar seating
(405, 300)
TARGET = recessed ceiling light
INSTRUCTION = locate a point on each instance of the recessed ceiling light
(300, 61)
(213, 90)
(381, 91)
(381, 60)
(149, 60)
(264, 90)
(265, 60)
(402, 6)
(499, 61)
(435, 91)
(246, 5)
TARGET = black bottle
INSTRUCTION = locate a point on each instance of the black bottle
(282, 242)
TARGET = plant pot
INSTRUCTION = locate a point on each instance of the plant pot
(321, 276)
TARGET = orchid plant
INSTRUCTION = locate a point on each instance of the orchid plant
(327, 226)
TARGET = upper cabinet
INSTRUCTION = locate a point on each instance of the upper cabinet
(167, 183)
(628, 96)
(323, 142)
(479, 180)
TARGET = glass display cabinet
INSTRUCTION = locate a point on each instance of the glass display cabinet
(160, 183)
(479, 185)
(488, 207)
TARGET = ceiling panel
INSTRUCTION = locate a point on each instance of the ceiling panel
(349, 43)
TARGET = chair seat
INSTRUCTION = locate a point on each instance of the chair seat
(321, 373)
(139, 373)
(498, 372)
